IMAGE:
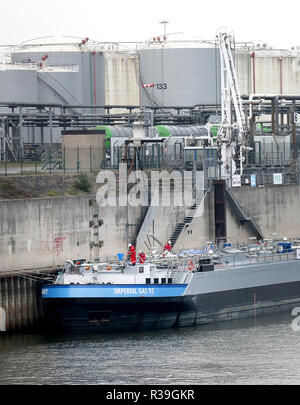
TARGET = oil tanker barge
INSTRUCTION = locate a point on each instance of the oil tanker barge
(176, 291)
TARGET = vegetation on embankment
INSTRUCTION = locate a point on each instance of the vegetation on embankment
(47, 185)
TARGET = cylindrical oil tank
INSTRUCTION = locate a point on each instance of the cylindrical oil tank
(180, 131)
(69, 75)
(175, 136)
(64, 74)
(18, 85)
(180, 76)
(59, 87)
(115, 132)
(165, 131)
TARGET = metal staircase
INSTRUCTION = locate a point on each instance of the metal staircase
(57, 87)
(242, 216)
(190, 215)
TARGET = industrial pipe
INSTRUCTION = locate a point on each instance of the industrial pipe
(280, 74)
(270, 97)
(253, 70)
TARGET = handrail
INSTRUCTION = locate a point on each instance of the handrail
(189, 208)
(258, 258)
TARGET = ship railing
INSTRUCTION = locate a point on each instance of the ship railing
(179, 262)
(180, 277)
(188, 262)
(236, 260)
(278, 257)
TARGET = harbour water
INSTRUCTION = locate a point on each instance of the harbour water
(254, 351)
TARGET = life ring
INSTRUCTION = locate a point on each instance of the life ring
(191, 265)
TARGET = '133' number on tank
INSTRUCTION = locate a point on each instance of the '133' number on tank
(161, 86)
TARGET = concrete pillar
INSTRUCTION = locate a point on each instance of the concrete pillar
(11, 303)
(24, 301)
(34, 303)
(18, 303)
(2, 310)
(29, 302)
(2, 320)
(5, 302)
(20, 306)
(211, 214)
(39, 302)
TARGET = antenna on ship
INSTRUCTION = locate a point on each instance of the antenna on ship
(95, 224)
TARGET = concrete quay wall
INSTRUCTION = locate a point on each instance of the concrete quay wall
(275, 209)
(41, 233)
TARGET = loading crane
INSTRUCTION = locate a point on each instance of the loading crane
(231, 139)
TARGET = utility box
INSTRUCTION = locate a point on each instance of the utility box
(83, 149)
(206, 267)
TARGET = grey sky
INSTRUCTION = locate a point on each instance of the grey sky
(276, 23)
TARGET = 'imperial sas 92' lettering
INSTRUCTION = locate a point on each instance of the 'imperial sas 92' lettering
(125, 291)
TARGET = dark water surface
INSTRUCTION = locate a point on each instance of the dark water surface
(265, 350)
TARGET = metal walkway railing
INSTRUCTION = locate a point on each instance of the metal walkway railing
(242, 216)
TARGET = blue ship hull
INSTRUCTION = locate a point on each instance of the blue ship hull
(123, 314)
(111, 308)
(112, 291)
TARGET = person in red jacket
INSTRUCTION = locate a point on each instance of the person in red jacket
(131, 249)
(133, 258)
(142, 257)
(132, 254)
(168, 247)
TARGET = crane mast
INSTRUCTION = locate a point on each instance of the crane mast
(231, 133)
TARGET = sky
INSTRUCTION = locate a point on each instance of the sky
(270, 21)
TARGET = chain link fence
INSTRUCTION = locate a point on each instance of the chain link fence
(91, 159)
(272, 169)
